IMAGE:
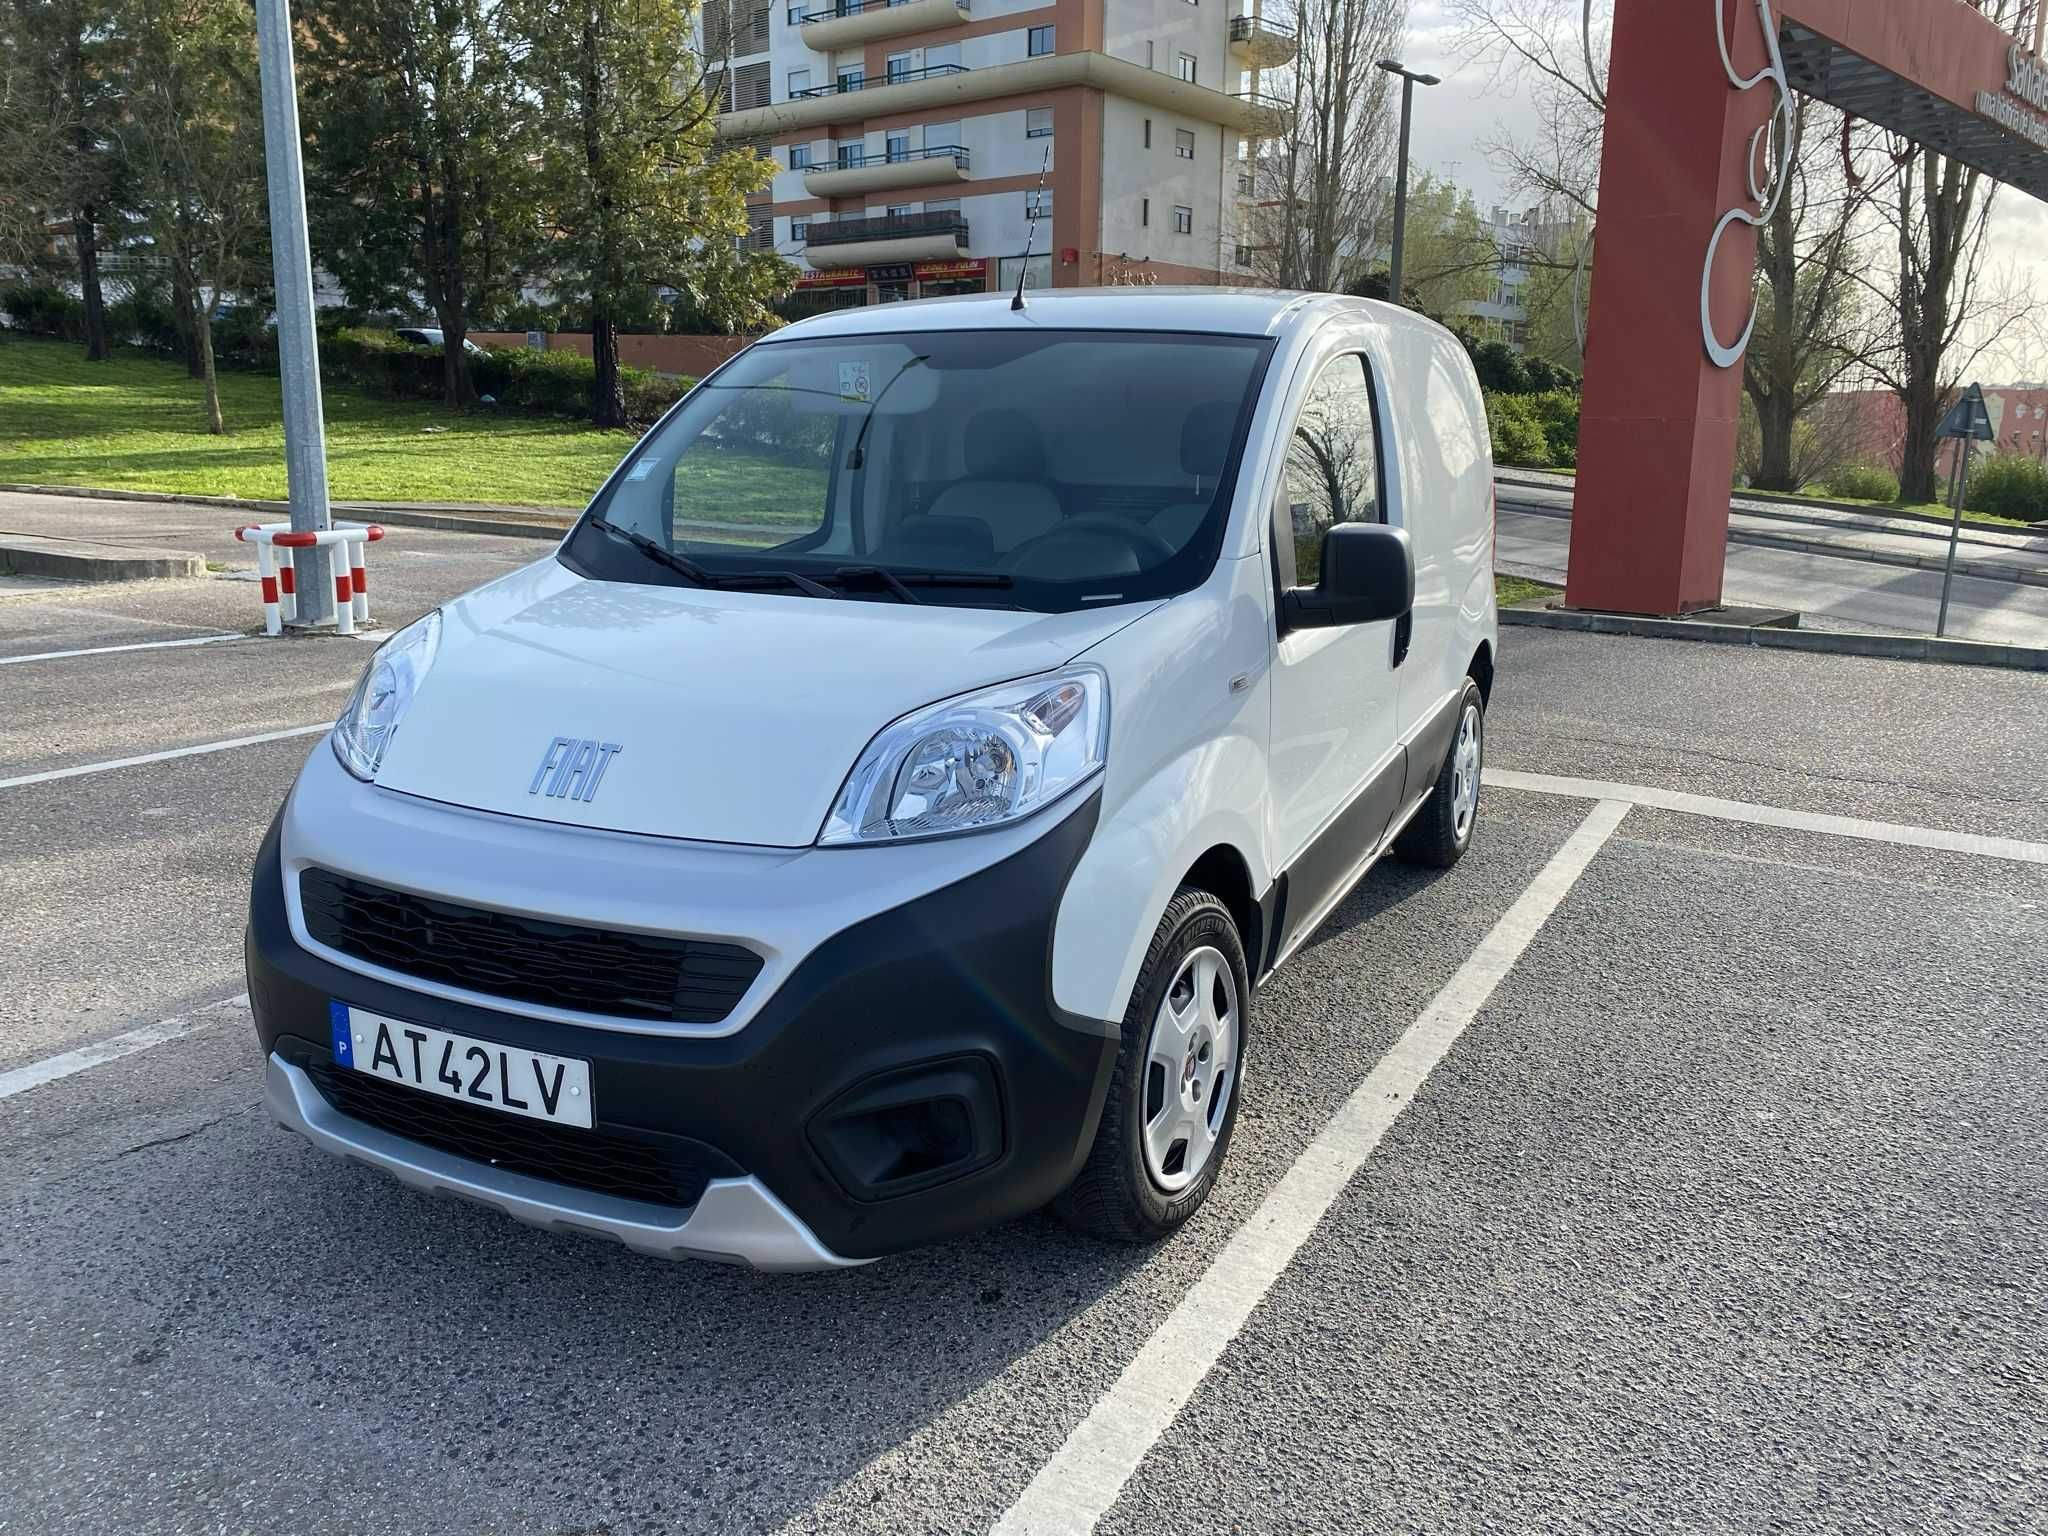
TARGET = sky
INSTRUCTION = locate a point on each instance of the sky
(1454, 119)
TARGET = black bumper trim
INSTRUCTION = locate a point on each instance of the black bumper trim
(962, 971)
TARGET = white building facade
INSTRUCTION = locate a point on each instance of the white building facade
(1523, 239)
(924, 146)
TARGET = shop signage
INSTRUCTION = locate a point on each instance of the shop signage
(843, 277)
(945, 269)
(891, 272)
(2026, 85)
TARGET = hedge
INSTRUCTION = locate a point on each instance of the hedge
(1534, 431)
(1863, 482)
(2010, 485)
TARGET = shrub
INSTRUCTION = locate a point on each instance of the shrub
(42, 309)
(144, 319)
(1499, 367)
(1863, 482)
(2010, 485)
(1517, 432)
(1556, 411)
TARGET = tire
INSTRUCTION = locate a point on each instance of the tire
(1442, 830)
(1127, 1191)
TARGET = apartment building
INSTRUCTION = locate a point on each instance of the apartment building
(926, 147)
(1535, 235)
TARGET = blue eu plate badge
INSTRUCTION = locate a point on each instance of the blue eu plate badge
(344, 1049)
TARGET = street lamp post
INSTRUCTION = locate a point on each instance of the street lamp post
(1409, 80)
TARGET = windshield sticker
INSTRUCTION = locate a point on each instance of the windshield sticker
(856, 381)
(643, 469)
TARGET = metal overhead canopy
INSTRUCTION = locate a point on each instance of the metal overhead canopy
(1926, 71)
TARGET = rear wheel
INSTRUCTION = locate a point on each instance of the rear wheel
(1442, 829)
(1172, 1103)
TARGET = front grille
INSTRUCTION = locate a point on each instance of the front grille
(561, 965)
(664, 1170)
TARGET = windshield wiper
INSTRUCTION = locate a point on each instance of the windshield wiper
(659, 553)
(883, 577)
(802, 583)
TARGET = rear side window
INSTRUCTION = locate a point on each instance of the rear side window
(1333, 467)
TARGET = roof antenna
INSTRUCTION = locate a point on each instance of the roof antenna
(1031, 234)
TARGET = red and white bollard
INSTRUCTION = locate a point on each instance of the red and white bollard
(350, 542)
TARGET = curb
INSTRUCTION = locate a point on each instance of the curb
(1983, 570)
(1968, 653)
(71, 560)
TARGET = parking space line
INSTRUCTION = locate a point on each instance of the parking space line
(108, 650)
(1077, 1486)
(48, 775)
(53, 1068)
(2014, 849)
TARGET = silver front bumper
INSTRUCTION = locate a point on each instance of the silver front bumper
(738, 1221)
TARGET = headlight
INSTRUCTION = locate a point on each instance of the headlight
(981, 760)
(370, 719)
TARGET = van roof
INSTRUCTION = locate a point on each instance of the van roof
(1214, 311)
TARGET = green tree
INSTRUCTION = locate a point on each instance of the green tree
(420, 178)
(635, 194)
(1450, 260)
(194, 132)
(63, 105)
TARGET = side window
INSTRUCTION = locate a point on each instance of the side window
(1333, 469)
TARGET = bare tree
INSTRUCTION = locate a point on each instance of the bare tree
(1811, 320)
(1319, 180)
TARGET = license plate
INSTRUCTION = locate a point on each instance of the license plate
(519, 1082)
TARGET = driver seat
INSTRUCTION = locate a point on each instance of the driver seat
(1204, 448)
(1005, 491)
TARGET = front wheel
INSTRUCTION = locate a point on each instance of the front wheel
(1173, 1100)
(1442, 829)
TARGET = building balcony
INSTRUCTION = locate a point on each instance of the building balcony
(887, 173)
(1259, 42)
(887, 237)
(852, 83)
(1264, 115)
(853, 22)
(951, 88)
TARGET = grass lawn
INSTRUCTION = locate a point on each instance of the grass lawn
(1923, 508)
(1508, 590)
(137, 423)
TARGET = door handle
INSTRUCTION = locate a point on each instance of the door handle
(1404, 631)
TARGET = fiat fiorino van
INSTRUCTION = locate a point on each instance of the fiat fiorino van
(875, 819)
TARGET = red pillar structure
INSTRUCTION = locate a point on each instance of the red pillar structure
(1657, 426)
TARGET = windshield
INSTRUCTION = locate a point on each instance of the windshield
(1048, 470)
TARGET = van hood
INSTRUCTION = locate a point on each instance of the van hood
(737, 715)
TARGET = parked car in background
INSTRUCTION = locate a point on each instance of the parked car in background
(873, 822)
(431, 336)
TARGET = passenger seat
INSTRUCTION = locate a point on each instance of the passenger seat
(1006, 490)
(1204, 447)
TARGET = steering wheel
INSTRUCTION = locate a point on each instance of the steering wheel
(1150, 548)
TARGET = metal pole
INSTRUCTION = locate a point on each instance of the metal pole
(298, 347)
(1401, 192)
(1955, 533)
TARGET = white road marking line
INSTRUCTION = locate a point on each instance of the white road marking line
(1077, 1486)
(50, 774)
(52, 1068)
(2011, 848)
(108, 650)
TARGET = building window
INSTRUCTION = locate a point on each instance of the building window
(1148, 133)
(1185, 67)
(795, 15)
(941, 135)
(1040, 41)
(899, 146)
(1038, 204)
(799, 81)
(851, 155)
(1038, 123)
(799, 156)
(1144, 213)
(899, 65)
(1148, 54)
(800, 230)
(902, 210)
(942, 205)
(1184, 143)
(1183, 220)
(851, 79)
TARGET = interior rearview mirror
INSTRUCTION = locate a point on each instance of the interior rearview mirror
(1368, 574)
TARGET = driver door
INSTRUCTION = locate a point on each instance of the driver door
(1336, 760)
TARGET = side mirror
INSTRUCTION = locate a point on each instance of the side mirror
(1368, 574)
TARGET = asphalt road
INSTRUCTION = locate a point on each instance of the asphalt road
(1831, 592)
(1728, 1211)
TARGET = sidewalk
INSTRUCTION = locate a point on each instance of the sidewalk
(1991, 554)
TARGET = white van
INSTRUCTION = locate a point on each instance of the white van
(874, 820)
